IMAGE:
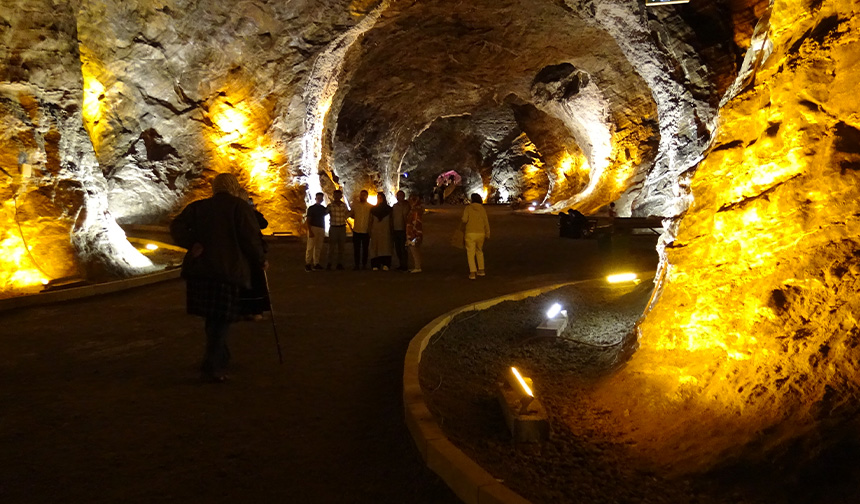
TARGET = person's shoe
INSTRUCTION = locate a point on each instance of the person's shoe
(318, 267)
(375, 269)
(416, 270)
(403, 268)
(328, 267)
(385, 268)
(339, 267)
(481, 273)
(308, 267)
(472, 276)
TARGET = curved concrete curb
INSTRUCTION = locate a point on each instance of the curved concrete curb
(95, 289)
(87, 291)
(471, 483)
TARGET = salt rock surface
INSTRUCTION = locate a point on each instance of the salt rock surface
(753, 344)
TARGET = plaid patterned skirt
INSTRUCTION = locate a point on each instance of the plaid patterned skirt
(213, 299)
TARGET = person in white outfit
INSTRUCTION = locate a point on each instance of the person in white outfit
(477, 230)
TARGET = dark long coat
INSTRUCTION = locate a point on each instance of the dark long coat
(223, 241)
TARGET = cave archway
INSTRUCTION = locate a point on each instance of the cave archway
(428, 61)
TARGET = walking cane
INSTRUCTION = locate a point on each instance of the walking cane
(274, 327)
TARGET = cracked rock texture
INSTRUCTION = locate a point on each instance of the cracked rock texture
(754, 337)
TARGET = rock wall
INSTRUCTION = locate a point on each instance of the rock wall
(425, 60)
(121, 112)
(753, 346)
(55, 213)
(187, 89)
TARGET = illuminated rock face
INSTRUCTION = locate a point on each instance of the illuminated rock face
(52, 183)
(754, 339)
(426, 60)
(188, 90)
(121, 112)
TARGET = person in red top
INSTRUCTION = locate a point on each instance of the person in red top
(415, 231)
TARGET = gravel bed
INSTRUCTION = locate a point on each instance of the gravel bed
(463, 363)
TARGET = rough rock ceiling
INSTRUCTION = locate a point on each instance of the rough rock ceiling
(428, 60)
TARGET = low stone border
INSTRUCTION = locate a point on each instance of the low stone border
(471, 483)
(95, 289)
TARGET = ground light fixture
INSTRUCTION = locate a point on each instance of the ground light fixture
(524, 387)
(524, 414)
(555, 322)
(622, 278)
(151, 246)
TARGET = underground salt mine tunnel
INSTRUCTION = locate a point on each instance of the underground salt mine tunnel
(734, 121)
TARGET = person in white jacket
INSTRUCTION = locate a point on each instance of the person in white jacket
(477, 230)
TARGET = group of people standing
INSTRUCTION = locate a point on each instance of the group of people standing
(378, 232)
(225, 265)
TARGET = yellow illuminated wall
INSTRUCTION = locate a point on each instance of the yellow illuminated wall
(34, 240)
(239, 142)
(93, 97)
(754, 336)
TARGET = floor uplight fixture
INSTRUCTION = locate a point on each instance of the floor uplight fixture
(524, 388)
(555, 322)
(151, 246)
(524, 414)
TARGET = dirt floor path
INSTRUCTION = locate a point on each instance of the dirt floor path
(100, 400)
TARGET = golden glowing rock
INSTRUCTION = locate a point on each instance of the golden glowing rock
(34, 244)
(360, 8)
(240, 143)
(755, 334)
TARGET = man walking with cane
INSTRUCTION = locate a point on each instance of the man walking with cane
(223, 241)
